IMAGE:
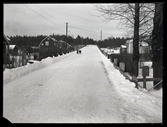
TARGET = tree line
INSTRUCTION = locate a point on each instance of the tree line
(112, 42)
(27, 41)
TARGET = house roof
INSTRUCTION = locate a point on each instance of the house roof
(129, 41)
(61, 41)
(53, 39)
(5, 39)
(8, 38)
(141, 43)
(34, 47)
(123, 46)
(69, 45)
(12, 47)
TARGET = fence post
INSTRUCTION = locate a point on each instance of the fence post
(145, 72)
(144, 82)
(13, 62)
(115, 61)
(135, 80)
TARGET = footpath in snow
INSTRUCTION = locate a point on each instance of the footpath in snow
(77, 88)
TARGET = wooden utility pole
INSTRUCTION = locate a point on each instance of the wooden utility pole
(101, 35)
(66, 29)
(66, 33)
(136, 41)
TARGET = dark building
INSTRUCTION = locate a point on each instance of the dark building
(5, 50)
(13, 50)
(47, 47)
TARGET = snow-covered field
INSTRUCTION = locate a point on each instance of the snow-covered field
(77, 88)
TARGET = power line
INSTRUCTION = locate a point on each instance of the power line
(41, 21)
(48, 14)
(29, 16)
(88, 30)
(39, 14)
(83, 29)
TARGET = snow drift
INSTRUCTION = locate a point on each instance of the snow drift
(151, 101)
(11, 74)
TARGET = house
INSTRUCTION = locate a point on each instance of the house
(13, 50)
(69, 47)
(62, 47)
(5, 47)
(123, 49)
(129, 45)
(5, 50)
(47, 47)
(33, 52)
(62, 44)
(143, 46)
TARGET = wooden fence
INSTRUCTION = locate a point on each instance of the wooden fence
(14, 61)
(123, 62)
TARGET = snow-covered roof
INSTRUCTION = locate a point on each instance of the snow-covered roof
(6, 39)
(12, 46)
(34, 47)
(46, 38)
(141, 43)
(123, 46)
(54, 39)
(129, 41)
(69, 45)
(61, 41)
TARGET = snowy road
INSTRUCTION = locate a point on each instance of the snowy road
(74, 88)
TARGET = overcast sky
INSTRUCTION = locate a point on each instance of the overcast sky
(46, 19)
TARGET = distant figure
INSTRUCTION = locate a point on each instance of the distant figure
(79, 51)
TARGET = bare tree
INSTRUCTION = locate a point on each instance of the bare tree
(150, 22)
(125, 12)
(136, 41)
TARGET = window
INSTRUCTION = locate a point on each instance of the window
(47, 43)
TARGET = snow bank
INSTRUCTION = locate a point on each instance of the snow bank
(150, 101)
(11, 74)
(111, 51)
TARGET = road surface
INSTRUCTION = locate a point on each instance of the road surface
(73, 89)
